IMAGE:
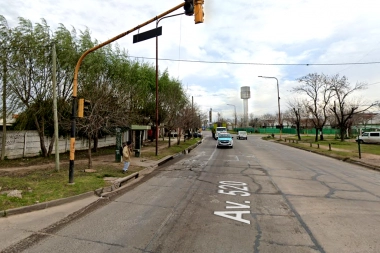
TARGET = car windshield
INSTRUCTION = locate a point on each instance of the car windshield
(224, 136)
(242, 132)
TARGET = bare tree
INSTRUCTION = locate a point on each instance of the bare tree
(345, 108)
(254, 121)
(316, 88)
(268, 120)
(296, 109)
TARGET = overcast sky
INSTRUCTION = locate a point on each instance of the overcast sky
(238, 41)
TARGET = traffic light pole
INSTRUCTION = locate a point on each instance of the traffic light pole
(75, 84)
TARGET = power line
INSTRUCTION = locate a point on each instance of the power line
(225, 62)
(257, 63)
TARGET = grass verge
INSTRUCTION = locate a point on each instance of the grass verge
(330, 146)
(46, 184)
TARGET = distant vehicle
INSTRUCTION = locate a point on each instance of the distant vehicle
(369, 137)
(225, 140)
(220, 130)
(173, 133)
(197, 134)
(242, 135)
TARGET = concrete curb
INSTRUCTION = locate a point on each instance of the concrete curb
(104, 192)
(115, 185)
(45, 205)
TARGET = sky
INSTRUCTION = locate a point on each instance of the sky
(238, 41)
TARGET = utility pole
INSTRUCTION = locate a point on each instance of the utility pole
(4, 139)
(54, 80)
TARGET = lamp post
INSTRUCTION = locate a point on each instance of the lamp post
(235, 114)
(158, 20)
(278, 95)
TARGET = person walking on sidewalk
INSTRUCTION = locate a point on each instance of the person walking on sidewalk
(127, 156)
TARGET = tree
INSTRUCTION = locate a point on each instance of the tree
(296, 110)
(30, 75)
(121, 91)
(345, 108)
(268, 120)
(253, 121)
(316, 88)
(5, 34)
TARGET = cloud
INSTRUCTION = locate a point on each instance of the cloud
(270, 32)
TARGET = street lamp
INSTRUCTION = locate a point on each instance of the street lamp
(158, 20)
(235, 114)
(278, 95)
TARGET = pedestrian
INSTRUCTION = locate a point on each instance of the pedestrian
(127, 156)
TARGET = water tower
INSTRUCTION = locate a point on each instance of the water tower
(245, 94)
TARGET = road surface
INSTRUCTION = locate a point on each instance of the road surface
(257, 197)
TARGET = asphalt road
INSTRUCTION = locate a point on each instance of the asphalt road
(257, 197)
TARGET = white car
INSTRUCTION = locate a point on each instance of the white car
(242, 135)
(369, 137)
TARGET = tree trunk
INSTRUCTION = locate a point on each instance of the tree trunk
(41, 136)
(96, 142)
(342, 133)
(316, 134)
(298, 131)
(51, 145)
(321, 136)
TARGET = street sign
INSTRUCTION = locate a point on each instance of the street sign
(147, 35)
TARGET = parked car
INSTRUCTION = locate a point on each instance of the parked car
(173, 133)
(225, 140)
(369, 137)
(197, 134)
(242, 135)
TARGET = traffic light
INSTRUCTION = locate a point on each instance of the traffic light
(83, 105)
(189, 7)
(198, 11)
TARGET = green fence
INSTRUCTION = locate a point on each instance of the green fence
(272, 130)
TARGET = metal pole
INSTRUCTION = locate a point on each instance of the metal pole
(157, 21)
(192, 115)
(278, 96)
(279, 111)
(157, 91)
(4, 138)
(56, 135)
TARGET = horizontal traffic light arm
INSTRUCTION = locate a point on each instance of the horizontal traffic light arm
(75, 82)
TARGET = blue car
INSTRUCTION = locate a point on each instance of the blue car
(225, 140)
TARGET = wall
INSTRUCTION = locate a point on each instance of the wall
(27, 144)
